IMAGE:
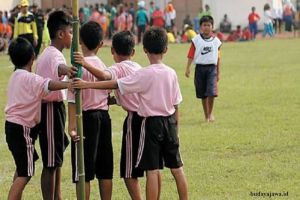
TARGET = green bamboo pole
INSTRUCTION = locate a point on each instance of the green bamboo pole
(80, 155)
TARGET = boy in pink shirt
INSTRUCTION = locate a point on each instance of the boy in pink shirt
(98, 151)
(159, 95)
(53, 140)
(22, 112)
(122, 51)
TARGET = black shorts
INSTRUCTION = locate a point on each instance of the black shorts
(159, 144)
(53, 139)
(206, 81)
(130, 145)
(98, 151)
(20, 140)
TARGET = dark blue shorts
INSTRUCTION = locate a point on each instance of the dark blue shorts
(206, 81)
(253, 28)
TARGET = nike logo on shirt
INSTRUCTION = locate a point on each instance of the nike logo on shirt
(206, 50)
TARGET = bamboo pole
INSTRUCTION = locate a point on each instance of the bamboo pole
(79, 152)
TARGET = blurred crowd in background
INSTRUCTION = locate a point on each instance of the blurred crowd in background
(138, 17)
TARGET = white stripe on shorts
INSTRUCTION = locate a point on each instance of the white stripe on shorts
(141, 143)
(50, 135)
(128, 168)
(30, 150)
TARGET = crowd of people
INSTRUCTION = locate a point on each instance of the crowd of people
(111, 17)
(137, 18)
(275, 21)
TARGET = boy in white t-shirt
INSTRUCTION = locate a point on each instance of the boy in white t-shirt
(204, 51)
(25, 91)
(159, 96)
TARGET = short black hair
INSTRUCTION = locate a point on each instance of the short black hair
(20, 52)
(123, 43)
(207, 18)
(155, 40)
(58, 20)
(91, 34)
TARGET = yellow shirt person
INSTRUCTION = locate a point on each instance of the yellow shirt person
(25, 25)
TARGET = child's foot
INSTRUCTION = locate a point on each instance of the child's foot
(212, 118)
(207, 120)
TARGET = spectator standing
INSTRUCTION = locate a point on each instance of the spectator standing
(86, 11)
(141, 21)
(39, 20)
(288, 12)
(253, 18)
(225, 25)
(25, 25)
(268, 21)
(158, 18)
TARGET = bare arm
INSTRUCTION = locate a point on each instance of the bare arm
(218, 66)
(65, 70)
(100, 74)
(81, 84)
(72, 122)
(188, 67)
(58, 85)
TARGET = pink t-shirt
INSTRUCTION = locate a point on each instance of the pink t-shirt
(129, 102)
(47, 67)
(92, 99)
(25, 91)
(157, 87)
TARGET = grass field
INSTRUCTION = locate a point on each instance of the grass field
(254, 145)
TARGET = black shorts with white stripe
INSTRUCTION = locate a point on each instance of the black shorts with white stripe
(20, 140)
(130, 145)
(159, 144)
(98, 151)
(53, 139)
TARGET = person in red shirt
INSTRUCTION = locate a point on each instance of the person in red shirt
(158, 17)
(246, 35)
(253, 18)
(235, 35)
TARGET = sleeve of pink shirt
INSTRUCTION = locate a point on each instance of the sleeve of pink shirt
(133, 83)
(55, 62)
(40, 86)
(114, 71)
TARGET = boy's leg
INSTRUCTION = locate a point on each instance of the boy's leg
(211, 92)
(16, 189)
(104, 162)
(172, 157)
(134, 188)
(153, 184)
(210, 106)
(105, 188)
(130, 143)
(181, 183)
(150, 157)
(20, 141)
(48, 183)
(87, 190)
(57, 195)
(201, 87)
(205, 108)
(53, 142)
